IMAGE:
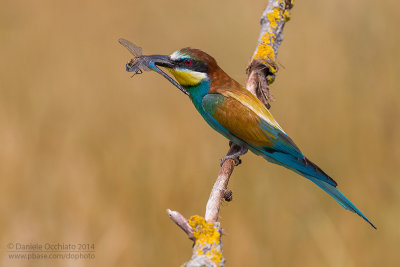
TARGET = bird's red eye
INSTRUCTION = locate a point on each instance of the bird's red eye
(188, 62)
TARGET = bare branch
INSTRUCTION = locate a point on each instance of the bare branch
(181, 221)
(218, 191)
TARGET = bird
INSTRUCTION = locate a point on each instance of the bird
(241, 117)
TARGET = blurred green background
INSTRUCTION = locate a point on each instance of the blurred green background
(89, 155)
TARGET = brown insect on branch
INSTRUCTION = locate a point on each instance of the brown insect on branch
(206, 232)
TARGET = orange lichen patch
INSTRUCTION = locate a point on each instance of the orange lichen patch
(203, 231)
(274, 16)
(208, 239)
(264, 49)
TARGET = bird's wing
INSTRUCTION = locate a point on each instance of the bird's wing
(237, 119)
(246, 117)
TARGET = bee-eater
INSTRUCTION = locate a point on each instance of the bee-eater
(241, 117)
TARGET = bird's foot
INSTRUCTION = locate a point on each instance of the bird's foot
(235, 151)
(236, 159)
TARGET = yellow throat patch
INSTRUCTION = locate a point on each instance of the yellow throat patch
(187, 77)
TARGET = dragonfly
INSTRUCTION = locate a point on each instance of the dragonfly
(140, 62)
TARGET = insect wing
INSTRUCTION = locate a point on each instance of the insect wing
(134, 49)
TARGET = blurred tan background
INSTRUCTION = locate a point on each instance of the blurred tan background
(89, 155)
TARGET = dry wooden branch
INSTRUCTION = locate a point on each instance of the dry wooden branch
(262, 68)
(206, 232)
(218, 191)
(182, 222)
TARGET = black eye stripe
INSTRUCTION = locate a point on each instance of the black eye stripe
(194, 65)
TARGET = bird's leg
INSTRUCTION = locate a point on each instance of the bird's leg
(235, 151)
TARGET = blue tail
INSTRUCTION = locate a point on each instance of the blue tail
(306, 168)
(339, 197)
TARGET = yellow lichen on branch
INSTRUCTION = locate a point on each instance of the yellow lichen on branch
(272, 21)
(264, 49)
(208, 246)
(262, 67)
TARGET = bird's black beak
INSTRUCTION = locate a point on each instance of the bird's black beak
(164, 61)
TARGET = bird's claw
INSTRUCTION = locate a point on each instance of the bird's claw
(235, 151)
(236, 159)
